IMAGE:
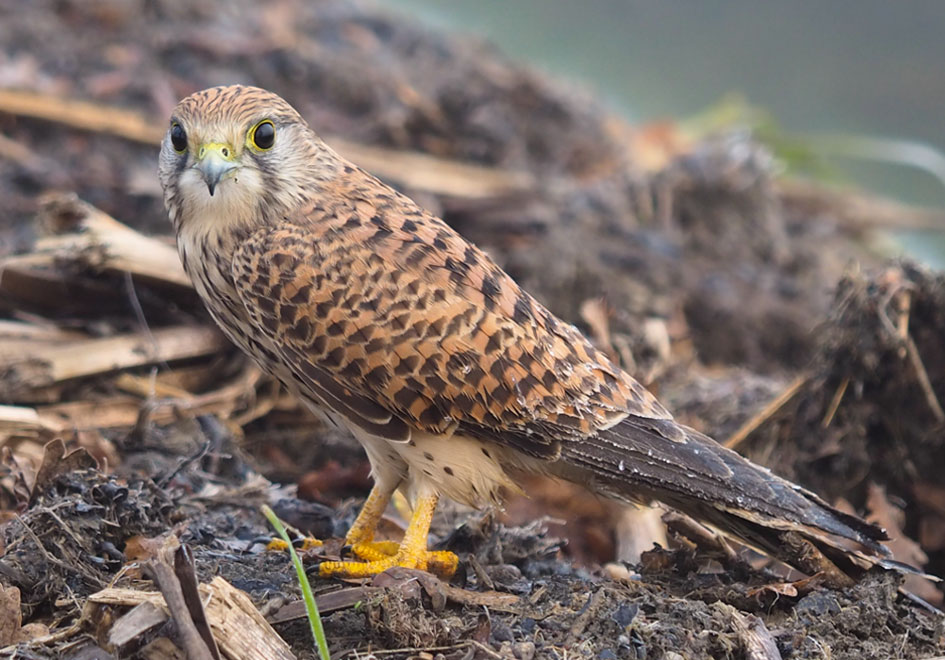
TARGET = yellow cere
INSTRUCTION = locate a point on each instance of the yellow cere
(224, 151)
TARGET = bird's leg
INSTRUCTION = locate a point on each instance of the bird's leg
(411, 553)
(360, 536)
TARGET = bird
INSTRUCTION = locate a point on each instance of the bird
(382, 319)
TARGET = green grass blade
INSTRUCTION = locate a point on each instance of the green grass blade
(311, 609)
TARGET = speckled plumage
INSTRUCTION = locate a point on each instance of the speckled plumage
(378, 314)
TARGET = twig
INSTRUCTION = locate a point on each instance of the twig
(766, 413)
(183, 463)
(588, 614)
(81, 232)
(93, 117)
(143, 325)
(483, 579)
(123, 412)
(238, 627)
(905, 307)
(55, 560)
(835, 403)
(436, 175)
(414, 170)
(47, 365)
(53, 637)
(61, 523)
(923, 376)
(161, 568)
(912, 352)
(186, 574)
(455, 647)
(698, 533)
(19, 153)
(856, 210)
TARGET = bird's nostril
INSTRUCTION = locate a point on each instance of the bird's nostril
(225, 152)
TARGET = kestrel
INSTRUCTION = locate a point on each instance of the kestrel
(381, 318)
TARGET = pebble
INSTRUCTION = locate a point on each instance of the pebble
(523, 650)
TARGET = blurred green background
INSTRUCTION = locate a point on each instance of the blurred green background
(823, 70)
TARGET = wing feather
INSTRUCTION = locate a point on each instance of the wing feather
(391, 319)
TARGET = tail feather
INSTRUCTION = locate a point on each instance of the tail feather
(641, 460)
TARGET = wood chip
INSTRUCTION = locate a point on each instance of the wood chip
(82, 232)
(139, 621)
(327, 603)
(238, 627)
(46, 365)
(10, 615)
(757, 641)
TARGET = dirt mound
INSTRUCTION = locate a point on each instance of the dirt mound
(698, 270)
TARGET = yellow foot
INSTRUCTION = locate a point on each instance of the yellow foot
(439, 562)
(378, 556)
(307, 543)
(374, 550)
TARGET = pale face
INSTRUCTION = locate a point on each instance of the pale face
(235, 156)
(218, 171)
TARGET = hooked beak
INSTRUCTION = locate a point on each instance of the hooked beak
(215, 161)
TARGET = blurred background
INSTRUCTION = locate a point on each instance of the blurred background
(813, 74)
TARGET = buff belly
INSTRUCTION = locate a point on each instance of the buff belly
(461, 468)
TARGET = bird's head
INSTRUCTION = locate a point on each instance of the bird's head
(238, 154)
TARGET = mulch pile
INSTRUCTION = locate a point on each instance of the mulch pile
(138, 445)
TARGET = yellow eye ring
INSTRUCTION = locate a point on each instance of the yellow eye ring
(263, 135)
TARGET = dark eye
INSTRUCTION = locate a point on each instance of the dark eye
(264, 135)
(178, 138)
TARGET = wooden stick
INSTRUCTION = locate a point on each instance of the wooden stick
(925, 383)
(776, 404)
(19, 153)
(17, 339)
(436, 175)
(123, 412)
(161, 569)
(87, 116)
(411, 169)
(37, 280)
(13, 330)
(21, 421)
(46, 365)
(83, 232)
(835, 402)
(757, 641)
(149, 387)
(857, 210)
(238, 627)
(912, 352)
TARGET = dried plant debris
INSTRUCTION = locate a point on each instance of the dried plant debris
(128, 424)
(174, 467)
(870, 411)
(69, 541)
(560, 197)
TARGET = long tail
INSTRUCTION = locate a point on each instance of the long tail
(640, 460)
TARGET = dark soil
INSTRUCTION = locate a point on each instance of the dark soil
(717, 290)
(521, 598)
